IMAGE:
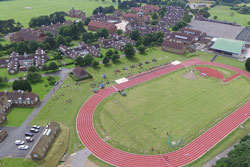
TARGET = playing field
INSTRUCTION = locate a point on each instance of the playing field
(171, 104)
(225, 13)
(16, 9)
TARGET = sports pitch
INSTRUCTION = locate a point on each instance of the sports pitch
(173, 105)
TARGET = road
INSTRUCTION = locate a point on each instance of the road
(7, 147)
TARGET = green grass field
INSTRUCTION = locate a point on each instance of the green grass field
(169, 104)
(17, 115)
(15, 9)
(225, 13)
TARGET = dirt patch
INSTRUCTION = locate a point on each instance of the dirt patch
(190, 75)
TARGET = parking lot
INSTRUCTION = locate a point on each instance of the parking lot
(8, 148)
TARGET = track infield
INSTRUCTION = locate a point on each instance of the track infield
(183, 156)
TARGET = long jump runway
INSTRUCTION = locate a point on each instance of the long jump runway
(183, 156)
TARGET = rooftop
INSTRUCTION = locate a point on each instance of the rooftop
(228, 45)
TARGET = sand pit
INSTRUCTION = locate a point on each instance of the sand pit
(190, 75)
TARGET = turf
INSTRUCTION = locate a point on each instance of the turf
(4, 73)
(139, 122)
(15, 9)
(17, 115)
(14, 162)
(225, 13)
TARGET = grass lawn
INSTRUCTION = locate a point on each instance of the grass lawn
(17, 115)
(14, 162)
(169, 104)
(5, 86)
(4, 73)
(225, 13)
(15, 9)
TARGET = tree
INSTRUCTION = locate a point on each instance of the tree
(95, 63)
(87, 20)
(129, 51)
(51, 80)
(154, 16)
(21, 85)
(32, 46)
(135, 35)
(109, 53)
(119, 32)
(248, 23)
(79, 61)
(103, 33)
(33, 76)
(21, 47)
(53, 66)
(3, 80)
(45, 67)
(50, 43)
(33, 69)
(60, 40)
(115, 58)
(215, 17)
(88, 59)
(247, 64)
(141, 49)
(68, 40)
(105, 60)
(88, 37)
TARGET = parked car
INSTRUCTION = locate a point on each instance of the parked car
(36, 126)
(19, 142)
(28, 134)
(56, 83)
(23, 147)
(29, 139)
(33, 130)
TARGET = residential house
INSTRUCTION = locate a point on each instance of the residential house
(135, 17)
(174, 47)
(80, 73)
(146, 9)
(106, 18)
(53, 28)
(172, 16)
(77, 14)
(96, 25)
(27, 35)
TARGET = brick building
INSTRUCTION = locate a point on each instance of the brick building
(96, 25)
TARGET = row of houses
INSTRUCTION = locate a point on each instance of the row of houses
(172, 16)
(146, 9)
(77, 14)
(53, 28)
(18, 62)
(17, 98)
(81, 50)
(115, 41)
(184, 40)
(106, 18)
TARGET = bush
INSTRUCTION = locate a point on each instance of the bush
(21, 85)
(247, 64)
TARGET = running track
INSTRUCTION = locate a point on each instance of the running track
(183, 156)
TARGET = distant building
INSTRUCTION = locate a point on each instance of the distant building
(3, 135)
(172, 16)
(27, 35)
(135, 17)
(81, 50)
(174, 47)
(44, 143)
(96, 25)
(244, 35)
(17, 62)
(17, 98)
(3, 117)
(118, 13)
(80, 73)
(77, 14)
(106, 18)
(53, 28)
(146, 9)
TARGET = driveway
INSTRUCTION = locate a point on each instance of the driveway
(7, 147)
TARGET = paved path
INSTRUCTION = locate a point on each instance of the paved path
(183, 156)
(221, 155)
(8, 148)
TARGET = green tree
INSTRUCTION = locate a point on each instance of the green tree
(141, 49)
(215, 17)
(33, 69)
(53, 66)
(3, 80)
(109, 53)
(105, 60)
(119, 32)
(129, 51)
(60, 40)
(247, 64)
(87, 20)
(135, 35)
(21, 85)
(115, 58)
(51, 80)
(50, 43)
(32, 46)
(103, 33)
(45, 67)
(95, 63)
(88, 59)
(33, 76)
(79, 61)
(21, 47)
(154, 16)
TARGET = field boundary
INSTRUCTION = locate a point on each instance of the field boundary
(183, 156)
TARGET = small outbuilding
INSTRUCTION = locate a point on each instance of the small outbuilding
(80, 73)
(43, 145)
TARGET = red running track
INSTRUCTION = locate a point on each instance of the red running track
(183, 156)
(210, 72)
